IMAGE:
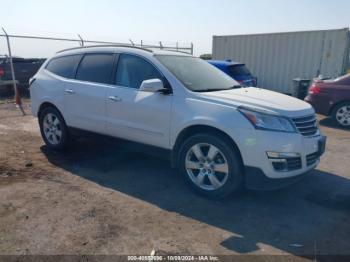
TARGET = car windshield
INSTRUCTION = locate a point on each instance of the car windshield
(196, 74)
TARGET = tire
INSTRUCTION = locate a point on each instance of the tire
(341, 115)
(200, 173)
(53, 129)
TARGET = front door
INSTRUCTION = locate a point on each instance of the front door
(133, 114)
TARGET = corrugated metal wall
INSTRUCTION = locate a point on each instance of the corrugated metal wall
(277, 58)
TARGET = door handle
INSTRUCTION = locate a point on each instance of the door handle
(115, 98)
(70, 91)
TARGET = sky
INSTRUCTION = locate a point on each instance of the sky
(184, 21)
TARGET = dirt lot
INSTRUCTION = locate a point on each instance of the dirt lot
(109, 197)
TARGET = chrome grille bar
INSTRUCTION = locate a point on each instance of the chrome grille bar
(306, 125)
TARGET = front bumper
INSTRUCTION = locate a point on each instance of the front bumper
(254, 145)
(265, 176)
(256, 179)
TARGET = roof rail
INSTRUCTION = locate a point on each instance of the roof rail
(106, 45)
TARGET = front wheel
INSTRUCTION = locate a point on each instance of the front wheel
(53, 128)
(211, 165)
(341, 115)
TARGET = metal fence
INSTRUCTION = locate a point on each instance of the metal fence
(83, 42)
(62, 44)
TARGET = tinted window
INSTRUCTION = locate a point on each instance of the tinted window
(132, 70)
(239, 70)
(96, 68)
(64, 66)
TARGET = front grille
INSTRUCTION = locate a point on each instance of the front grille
(312, 158)
(307, 125)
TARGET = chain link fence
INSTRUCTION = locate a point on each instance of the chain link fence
(21, 55)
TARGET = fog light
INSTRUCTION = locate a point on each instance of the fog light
(272, 154)
(284, 161)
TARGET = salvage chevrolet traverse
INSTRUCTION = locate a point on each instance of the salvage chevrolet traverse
(221, 136)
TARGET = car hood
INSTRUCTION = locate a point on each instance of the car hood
(261, 99)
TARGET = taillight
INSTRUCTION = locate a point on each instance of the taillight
(314, 89)
(2, 72)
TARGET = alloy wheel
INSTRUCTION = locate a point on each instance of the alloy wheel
(206, 166)
(52, 129)
(343, 115)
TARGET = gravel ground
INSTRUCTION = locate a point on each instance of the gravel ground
(106, 196)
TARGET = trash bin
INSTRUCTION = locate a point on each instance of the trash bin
(301, 87)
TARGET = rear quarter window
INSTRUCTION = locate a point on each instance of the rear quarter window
(64, 66)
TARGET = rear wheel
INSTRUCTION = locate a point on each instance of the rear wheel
(211, 165)
(53, 128)
(341, 115)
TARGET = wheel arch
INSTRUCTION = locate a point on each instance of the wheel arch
(195, 129)
(331, 110)
(65, 134)
(46, 105)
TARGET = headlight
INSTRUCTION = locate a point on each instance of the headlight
(261, 120)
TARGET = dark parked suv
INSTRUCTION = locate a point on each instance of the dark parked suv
(332, 98)
(25, 68)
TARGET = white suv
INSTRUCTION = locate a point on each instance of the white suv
(221, 136)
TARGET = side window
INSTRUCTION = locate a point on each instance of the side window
(64, 66)
(96, 68)
(132, 70)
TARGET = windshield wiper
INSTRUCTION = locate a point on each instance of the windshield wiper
(236, 86)
(216, 89)
(209, 90)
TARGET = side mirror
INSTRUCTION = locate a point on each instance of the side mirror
(152, 85)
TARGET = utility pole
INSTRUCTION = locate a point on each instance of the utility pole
(15, 87)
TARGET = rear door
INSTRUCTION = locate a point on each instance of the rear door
(85, 96)
(133, 114)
